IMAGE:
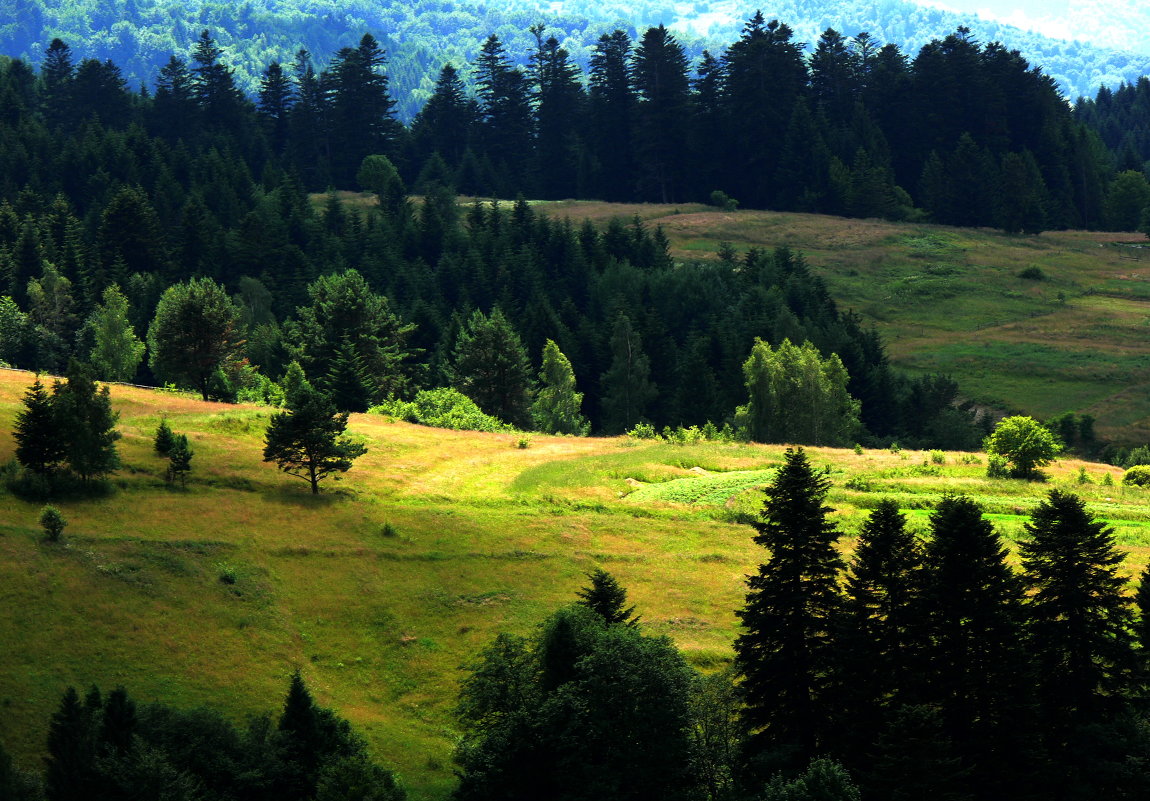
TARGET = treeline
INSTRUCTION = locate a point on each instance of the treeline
(106, 747)
(110, 234)
(419, 35)
(961, 133)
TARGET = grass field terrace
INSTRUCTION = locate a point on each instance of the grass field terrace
(488, 537)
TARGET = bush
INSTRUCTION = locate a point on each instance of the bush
(1032, 273)
(937, 457)
(722, 200)
(997, 466)
(442, 408)
(53, 523)
(643, 431)
(1137, 476)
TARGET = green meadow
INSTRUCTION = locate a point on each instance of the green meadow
(385, 587)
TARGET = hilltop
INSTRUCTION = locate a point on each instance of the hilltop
(382, 588)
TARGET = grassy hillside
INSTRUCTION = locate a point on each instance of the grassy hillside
(488, 537)
(1073, 338)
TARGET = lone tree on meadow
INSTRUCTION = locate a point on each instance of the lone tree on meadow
(307, 440)
(1025, 443)
(607, 598)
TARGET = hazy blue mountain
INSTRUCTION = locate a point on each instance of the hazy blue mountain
(421, 35)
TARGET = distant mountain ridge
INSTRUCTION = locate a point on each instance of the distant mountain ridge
(421, 35)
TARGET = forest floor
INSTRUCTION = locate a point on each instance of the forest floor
(385, 586)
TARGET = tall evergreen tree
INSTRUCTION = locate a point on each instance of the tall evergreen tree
(979, 671)
(275, 101)
(40, 444)
(661, 115)
(445, 125)
(490, 366)
(612, 109)
(880, 650)
(556, 409)
(1079, 615)
(607, 598)
(69, 769)
(213, 85)
(785, 654)
(362, 109)
(86, 423)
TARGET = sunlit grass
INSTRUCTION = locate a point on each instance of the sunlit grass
(383, 587)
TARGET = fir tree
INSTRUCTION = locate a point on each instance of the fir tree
(606, 598)
(1079, 615)
(879, 636)
(69, 770)
(490, 367)
(40, 444)
(87, 423)
(785, 653)
(164, 439)
(179, 460)
(557, 404)
(978, 670)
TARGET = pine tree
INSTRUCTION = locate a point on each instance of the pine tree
(607, 598)
(557, 404)
(915, 759)
(306, 440)
(785, 653)
(1079, 615)
(40, 445)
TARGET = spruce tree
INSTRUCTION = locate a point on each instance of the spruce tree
(302, 740)
(880, 630)
(86, 423)
(40, 444)
(785, 653)
(69, 766)
(606, 598)
(164, 438)
(978, 669)
(179, 460)
(556, 409)
(1078, 614)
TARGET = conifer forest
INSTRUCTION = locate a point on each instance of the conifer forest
(301, 235)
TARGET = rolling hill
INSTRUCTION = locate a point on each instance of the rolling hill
(382, 588)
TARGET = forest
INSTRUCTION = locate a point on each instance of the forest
(190, 234)
(139, 35)
(145, 191)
